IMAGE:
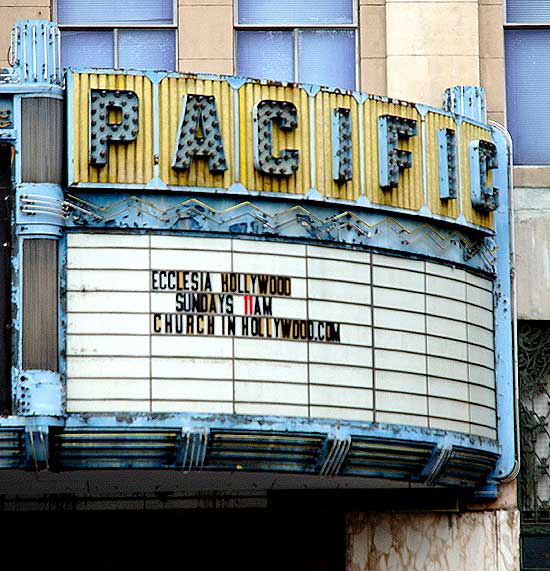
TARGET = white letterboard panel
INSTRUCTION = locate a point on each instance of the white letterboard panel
(186, 324)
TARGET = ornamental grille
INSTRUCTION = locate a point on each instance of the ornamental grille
(534, 380)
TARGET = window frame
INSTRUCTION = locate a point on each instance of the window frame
(117, 26)
(295, 29)
(511, 25)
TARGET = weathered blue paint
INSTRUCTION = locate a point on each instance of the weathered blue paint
(275, 220)
(39, 210)
(341, 145)
(62, 319)
(332, 444)
(391, 159)
(468, 101)
(483, 157)
(236, 134)
(35, 45)
(39, 393)
(312, 193)
(438, 458)
(504, 342)
(69, 119)
(191, 442)
(446, 163)
(335, 428)
(311, 198)
(361, 98)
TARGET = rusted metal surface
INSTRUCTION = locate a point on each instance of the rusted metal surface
(40, 303)
(41, 139)
(5, 277)
(469, 132)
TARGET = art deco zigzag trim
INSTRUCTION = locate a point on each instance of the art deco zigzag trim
(293, 221)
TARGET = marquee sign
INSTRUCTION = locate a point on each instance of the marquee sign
(174, 132)
(168, 323)
(233, 304)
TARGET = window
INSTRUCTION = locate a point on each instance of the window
(527, 46)
(297, 40)
(138, 34)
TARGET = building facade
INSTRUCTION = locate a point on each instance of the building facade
(240, 300)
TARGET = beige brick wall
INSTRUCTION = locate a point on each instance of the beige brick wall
(373, 50)
(415, 49)
(491, 56)
(205, 36)
(431, 45)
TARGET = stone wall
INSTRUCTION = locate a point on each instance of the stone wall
(480, 541)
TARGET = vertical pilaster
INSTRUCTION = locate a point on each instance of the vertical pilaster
(37, 386)
(430, 44)
(205, 36)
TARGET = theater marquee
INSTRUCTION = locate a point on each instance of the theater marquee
(184, 132)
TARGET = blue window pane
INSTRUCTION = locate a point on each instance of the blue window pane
(87, 49)
(265, 55)
(528, 88)
(147, 49)
(327, 57)
(115, 12)
(528, 11)
(295, 12)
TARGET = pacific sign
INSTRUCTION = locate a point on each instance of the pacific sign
(255, 136)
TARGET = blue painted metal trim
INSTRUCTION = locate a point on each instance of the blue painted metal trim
(236, 135)
(242, 191)
(39, 209)
(32, 90)
(312, 192)
(445, 163)
(296, 445)
(275, 220)
(69, 119)
(505, 374)
(17, 144)
(62, 319)
(35, 45)
(383, 153)
(311, 89)
(436, 463)
(36, 447)
(425, 208)
(362, 200)
(17, 304)
(39, 393)
(468, 101)
(236, 82)
(483, 198)
(156, 79)
(335, 428)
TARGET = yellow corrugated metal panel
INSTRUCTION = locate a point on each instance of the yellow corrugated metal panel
(130, 163)
(470, 132)
(434, 122)
(325, 102)
(409, 192)
(298, 139)
(171, 93)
